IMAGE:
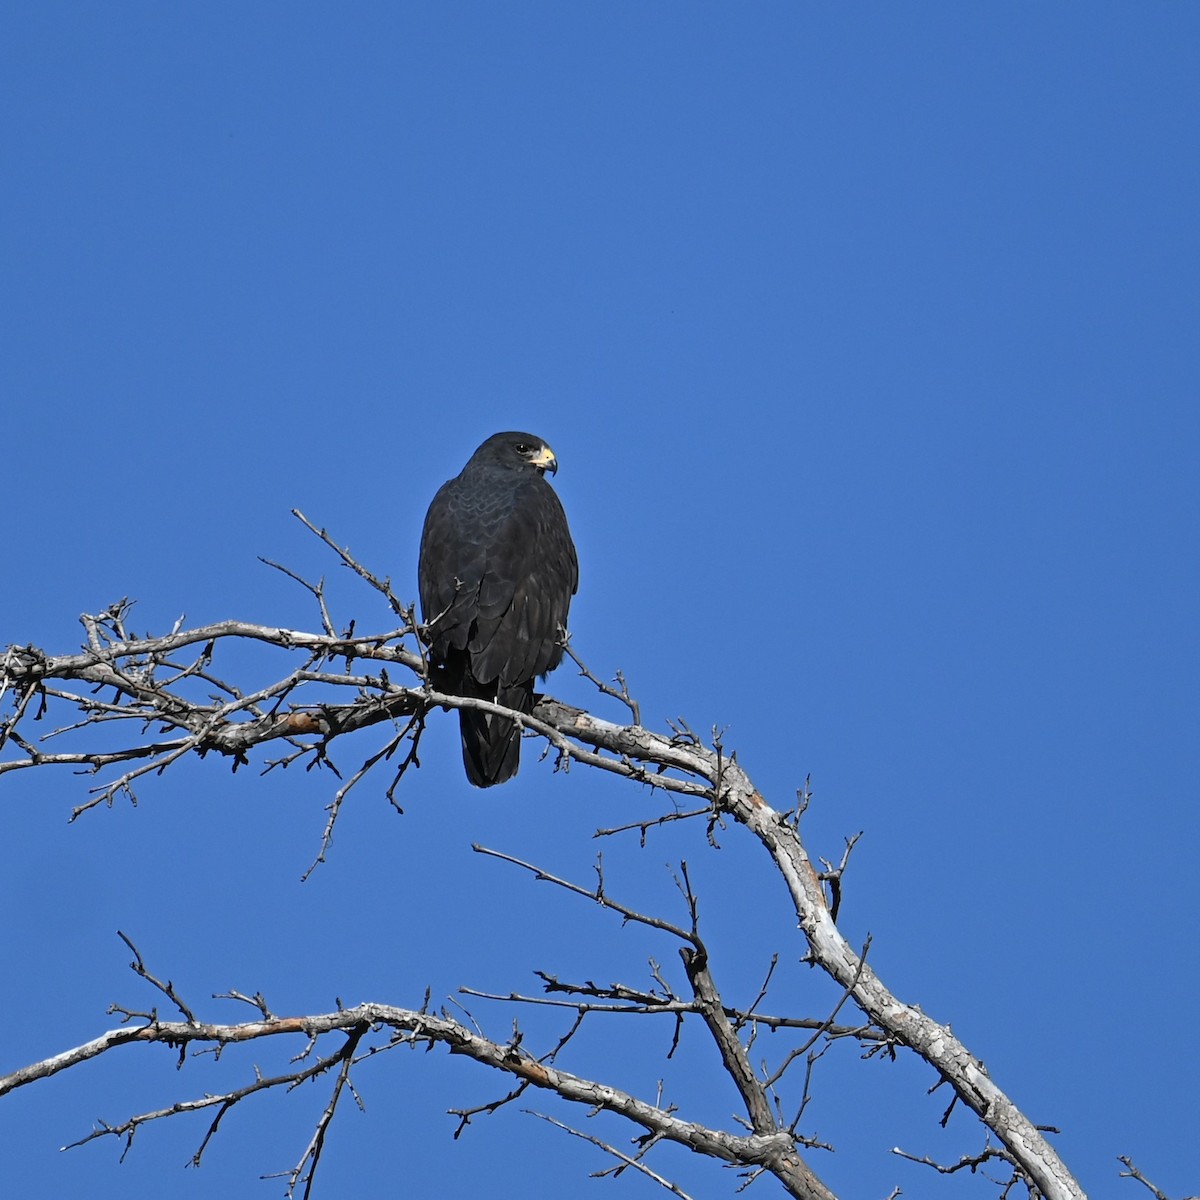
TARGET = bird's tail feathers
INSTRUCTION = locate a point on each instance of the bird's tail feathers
(491, 744)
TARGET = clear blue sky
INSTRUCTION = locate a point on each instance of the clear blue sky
(867, 338)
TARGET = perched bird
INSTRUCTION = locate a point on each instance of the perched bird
(496, 576)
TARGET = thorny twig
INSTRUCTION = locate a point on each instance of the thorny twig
(138, 967)
(634, 1002)
(968, 1162)
(382, 586)
(620, 692)
(597, 893)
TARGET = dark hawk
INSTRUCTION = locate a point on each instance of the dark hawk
(496, 576)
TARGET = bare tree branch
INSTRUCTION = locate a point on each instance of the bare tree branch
(630, 1002)
(1131, 1172)
(411, 1026)
(123, 708)
(625, 1159)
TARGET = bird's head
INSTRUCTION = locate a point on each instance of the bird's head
(517, 450)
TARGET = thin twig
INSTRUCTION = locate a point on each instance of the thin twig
(625, 1159)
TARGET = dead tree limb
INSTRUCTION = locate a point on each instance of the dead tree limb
(123, 708)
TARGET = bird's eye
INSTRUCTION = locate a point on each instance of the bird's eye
(524, 448)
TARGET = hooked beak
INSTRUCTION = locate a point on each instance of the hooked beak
(544, 460)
